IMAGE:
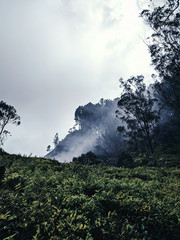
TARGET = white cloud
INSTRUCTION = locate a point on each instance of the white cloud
(59, 54)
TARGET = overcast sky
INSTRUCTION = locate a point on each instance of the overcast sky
(58, 54)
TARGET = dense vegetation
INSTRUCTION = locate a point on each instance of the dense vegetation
(45, 199)
(7, 115)
(114, 192)
(95, 130)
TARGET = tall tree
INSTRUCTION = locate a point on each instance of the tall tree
(164, 46)
(56, 140)
(48, 148)
(136, 111)
(7, 115)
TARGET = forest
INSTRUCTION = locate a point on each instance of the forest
(116, 173)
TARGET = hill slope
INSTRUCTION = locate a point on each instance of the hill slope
(45, 199)
(91, 122)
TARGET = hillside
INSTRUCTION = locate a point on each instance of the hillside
(45, 199)
(116, 174)
(91, 122)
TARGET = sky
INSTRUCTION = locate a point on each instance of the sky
(56, 55)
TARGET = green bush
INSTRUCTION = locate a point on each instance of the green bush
(44, 199)
(88, 158)
(125, 160)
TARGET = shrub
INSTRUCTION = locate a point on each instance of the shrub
(44, 199)
(125, 160)
(88, 158)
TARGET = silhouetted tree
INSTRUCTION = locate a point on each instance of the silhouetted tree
(125, 160)
(88, 158)
(94, 116)
(7, 115)
(136, 105)
(56, 140)
(48, 148)
(164, 46)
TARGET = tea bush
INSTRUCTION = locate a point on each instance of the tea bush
(45, 199)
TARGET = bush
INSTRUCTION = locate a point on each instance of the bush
(88, 158)
(44, 199)
(125, 160)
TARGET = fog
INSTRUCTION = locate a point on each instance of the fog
(58, 54)
(95, 130)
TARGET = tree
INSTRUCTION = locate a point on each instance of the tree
(88, 158)
(111, 143)
(164, 47)
(136, 111)
(56, 140)
(7, 115)
(48, 148)
(94, 117)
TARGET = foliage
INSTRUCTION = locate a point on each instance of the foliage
(111, 143)
(137, 112)
(164, 46)
(168, 155)
(92, 123)
(125, 160)
(48, 148)
(88, 158)
(44, 199)
(56, 140)
(94, 116)
(7, 115)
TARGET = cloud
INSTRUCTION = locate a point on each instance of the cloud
(59, 54)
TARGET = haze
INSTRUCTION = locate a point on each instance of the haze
(58, 54)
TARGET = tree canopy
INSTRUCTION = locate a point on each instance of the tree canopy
(164, 47)
(7, 115)
(137, 112)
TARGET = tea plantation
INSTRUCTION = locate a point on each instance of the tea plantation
(45, 199)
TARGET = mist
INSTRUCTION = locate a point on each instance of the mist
(57, 55)
(95, 130)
